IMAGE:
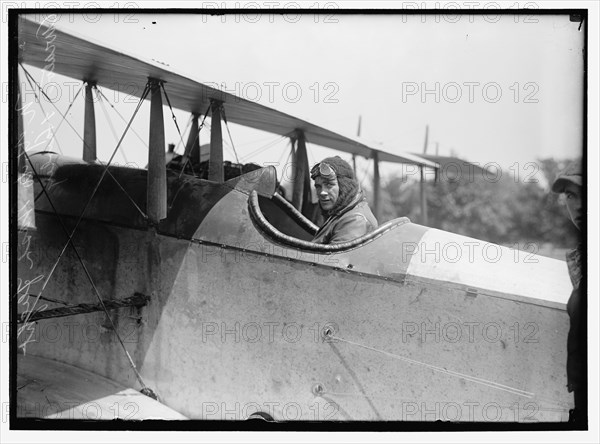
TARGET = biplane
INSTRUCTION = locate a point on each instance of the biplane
(190, 293)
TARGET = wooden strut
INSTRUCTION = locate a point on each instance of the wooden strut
(157, 173)
(376, 186)
(137, 300)
(89, 125)
(215, 164)
(423, 189)
(423, 193)
(301, 171)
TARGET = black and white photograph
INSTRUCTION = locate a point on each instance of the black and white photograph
(248, 220)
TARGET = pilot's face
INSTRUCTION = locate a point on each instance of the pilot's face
(328, 191)
(573, 195)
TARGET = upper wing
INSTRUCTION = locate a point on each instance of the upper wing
(81, 58)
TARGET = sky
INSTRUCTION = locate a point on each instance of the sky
(494, 90)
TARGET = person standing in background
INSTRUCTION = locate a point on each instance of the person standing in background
(569, 182)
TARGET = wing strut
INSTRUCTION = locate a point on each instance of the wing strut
(89, 126)
(376, 186)
(64, 119)
(423, 195)
(156, 194)
(215, 165)
(300, 171)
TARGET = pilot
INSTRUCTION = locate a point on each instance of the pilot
(569, 182)
(344, 206)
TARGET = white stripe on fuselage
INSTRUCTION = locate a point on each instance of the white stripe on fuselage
(449, 257)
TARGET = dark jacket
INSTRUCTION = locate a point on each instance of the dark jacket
(351, 222)
(577, 339)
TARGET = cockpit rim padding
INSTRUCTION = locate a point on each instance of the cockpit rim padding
(260, 220)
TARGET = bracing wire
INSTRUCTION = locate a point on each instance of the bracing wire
(267, 146)
(365, 173)
(108, 172)
(229, 132)
(145, 389)
(46, 118)
(110, 124)
(180, 141)
(486, 382)
(64, 116)
(186, 158)
(90, 198)
(122, 118)
(162, 85)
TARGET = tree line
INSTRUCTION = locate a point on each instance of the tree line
(505, 210)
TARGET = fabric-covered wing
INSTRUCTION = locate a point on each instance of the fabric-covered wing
(82, 59)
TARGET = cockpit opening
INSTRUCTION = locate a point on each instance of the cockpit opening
(281, 222)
